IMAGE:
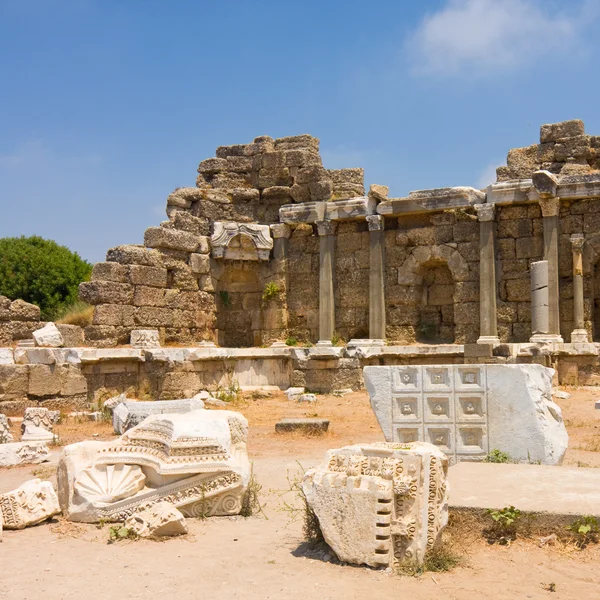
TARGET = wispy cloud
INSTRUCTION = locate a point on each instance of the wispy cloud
(479, 37)
(488, 174)
(36, 154)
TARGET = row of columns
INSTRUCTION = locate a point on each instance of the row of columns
(545, 279)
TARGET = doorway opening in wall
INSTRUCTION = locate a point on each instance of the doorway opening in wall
(436, 308)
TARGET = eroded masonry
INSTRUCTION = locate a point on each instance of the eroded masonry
(277, 271)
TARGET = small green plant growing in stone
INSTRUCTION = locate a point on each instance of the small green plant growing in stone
(225, 298)
(231, 393)
(271, 292)
(118, 533)
(337, 340)
(251, 499)
(504, 525)
(497, 456)
(291, 341)
(586, 530)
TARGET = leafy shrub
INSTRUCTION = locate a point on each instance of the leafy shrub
(271, 291)
(291, 341)
(41, 272)
(504, 526)
(586, 530)
(496, 456)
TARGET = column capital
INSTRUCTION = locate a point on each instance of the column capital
(550, 206)
(485, 212)
(326, 227)
(280, 230)
(375, 222)
(577, 240)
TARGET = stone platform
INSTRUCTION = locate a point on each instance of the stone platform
(531, 488)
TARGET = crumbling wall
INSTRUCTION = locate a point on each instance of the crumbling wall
(564, 149)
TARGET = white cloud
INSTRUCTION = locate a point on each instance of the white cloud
(488, 174)
(475, 37)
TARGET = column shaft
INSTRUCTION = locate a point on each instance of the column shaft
(326, 231)
(579, 333)
(376, 277)
(551, 255)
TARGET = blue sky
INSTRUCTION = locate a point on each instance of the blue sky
(107, 106)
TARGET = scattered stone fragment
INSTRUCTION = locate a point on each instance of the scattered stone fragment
(561, 395)
(157, 520)
(145, 338)
(37, 425)
(343, 392)
(113, 402)
(33, 502)
(303, 425)
(307, 398)
(23, 453)
(597, 404)
(380, 504)
(292, 393)
(5, 435)
(48, 336)
(129, 414)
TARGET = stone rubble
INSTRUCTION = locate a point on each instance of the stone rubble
(37, 425)
(16, 454)
(161, 519)
(48, 336)
(5, 434)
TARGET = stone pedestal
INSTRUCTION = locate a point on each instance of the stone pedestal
(326, 230)
(376, 278)
(550, 209)
(579, 335)
(488, 327)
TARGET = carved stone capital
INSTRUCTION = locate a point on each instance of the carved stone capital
(326, 227)
(281, 230)
(577, 241)
(485, 212)
(375, 222)
(550, 206)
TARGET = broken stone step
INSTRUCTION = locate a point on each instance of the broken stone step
(314, 426)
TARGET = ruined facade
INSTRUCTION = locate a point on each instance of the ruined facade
(270, 245)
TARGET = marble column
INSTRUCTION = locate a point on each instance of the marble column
(550, 209)
(488, 326)
(376, 278)
(281, 233)
(579, 335)
(326, 230)
(539, 302)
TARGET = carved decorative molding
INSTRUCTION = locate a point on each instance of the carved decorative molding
(253, 242)
(577, 241)
(326, 227)
(485, 212)
(375, 222)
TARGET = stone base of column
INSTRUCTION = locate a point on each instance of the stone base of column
(488, 339)
(324, 344)
(544, 338)
(579, 336)
(365, 342)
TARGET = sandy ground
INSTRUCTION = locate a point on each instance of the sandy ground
(264, 557)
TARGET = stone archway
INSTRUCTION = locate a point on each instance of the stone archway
(431, 273)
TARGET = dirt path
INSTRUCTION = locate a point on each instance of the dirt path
(265, 558)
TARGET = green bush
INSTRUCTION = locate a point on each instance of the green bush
(41, 272)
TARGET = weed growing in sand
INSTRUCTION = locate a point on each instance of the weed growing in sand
(441, 558)
(118, 533)
(496, 456)
(251, 499)
(504, 526)
(586, 530)
(231, 393)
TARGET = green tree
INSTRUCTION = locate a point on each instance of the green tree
(41, 272)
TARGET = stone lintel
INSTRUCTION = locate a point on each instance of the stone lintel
(516, 191)
(306, 212)
(350, 209)
(431, 200)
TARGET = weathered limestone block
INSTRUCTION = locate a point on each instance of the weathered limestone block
(380, 504)
(110, 271)
(556, 131)
(129, 414)
(13, 381)
(196, 461)
(48, 336)
(131, 254)
(33, 502)
(105, 292)
(72, 335)
(200, 263)
(158, 520)
(161, 237)
(44, 380)
(5, 434)
(150, 276)
(24, 311)
(145, 338)
(469, 410)
(23, 453)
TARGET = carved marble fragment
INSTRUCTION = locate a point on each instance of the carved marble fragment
(33, 502)
(381, 504)
(5, 434)
(197, 461)
(158, 520)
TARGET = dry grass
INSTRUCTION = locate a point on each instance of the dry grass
(79, 313)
